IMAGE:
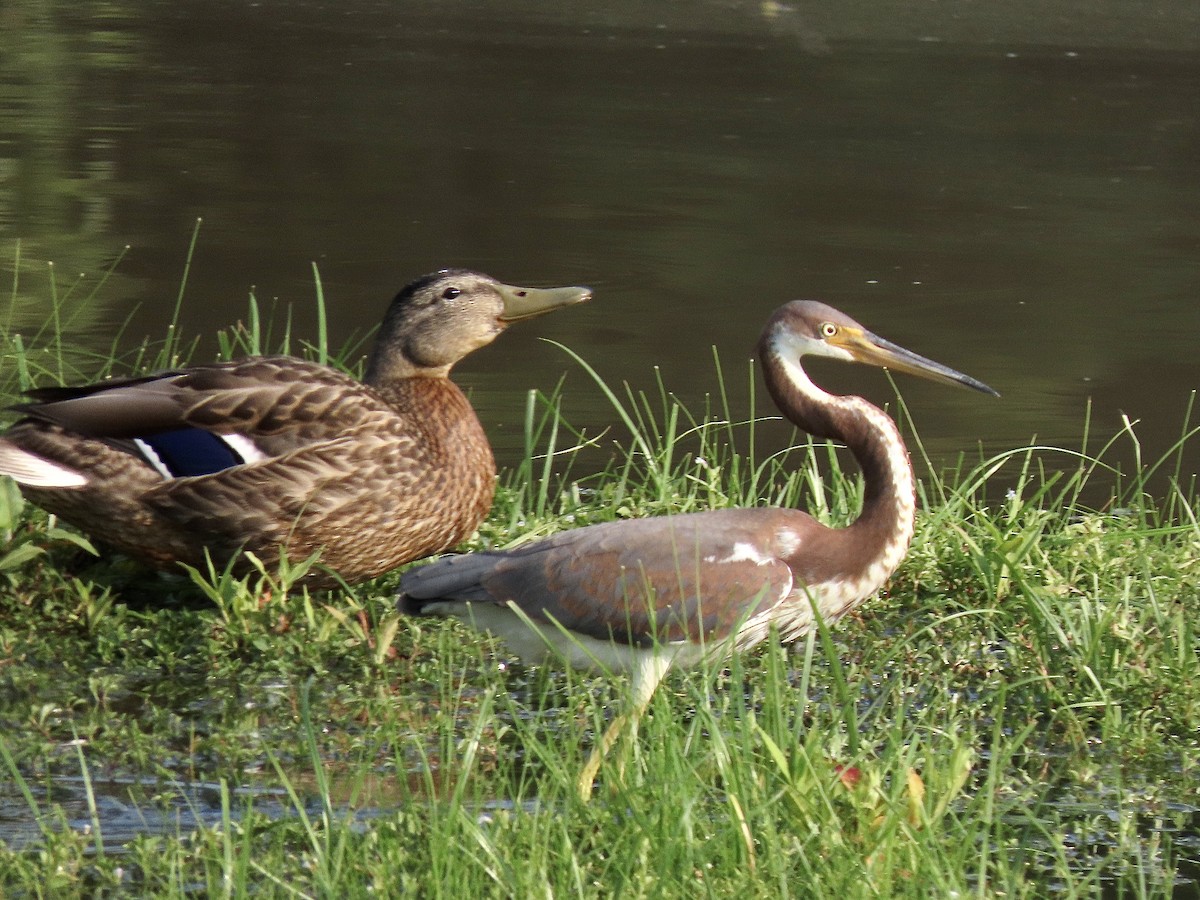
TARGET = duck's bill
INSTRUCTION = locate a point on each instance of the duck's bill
(526, 303)
(874, 350)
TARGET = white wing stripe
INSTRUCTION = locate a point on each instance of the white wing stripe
(153, 458)
(243, 447)
(34, 471)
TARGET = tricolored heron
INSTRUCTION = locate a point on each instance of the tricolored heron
(637, 596)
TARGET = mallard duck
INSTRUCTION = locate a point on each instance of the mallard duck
(274, 453)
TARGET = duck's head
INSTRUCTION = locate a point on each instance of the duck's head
(441, 317)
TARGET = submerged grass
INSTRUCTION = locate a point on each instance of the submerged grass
(1018, 715)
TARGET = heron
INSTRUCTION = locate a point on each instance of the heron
(640, 595)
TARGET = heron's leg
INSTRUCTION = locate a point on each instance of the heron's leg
(644, 680)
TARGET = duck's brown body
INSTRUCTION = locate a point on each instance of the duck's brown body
(372, 475)
(409, 465)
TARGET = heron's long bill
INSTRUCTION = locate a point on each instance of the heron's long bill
(525, 303)
(874, 350)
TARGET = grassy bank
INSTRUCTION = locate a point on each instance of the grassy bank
(1018, 715)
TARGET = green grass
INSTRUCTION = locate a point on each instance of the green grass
(1017, 715)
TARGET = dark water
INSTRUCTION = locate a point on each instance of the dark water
(1015, 193)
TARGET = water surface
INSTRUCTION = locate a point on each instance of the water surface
(1014, 195)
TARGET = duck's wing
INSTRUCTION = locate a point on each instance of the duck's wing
(204, 419)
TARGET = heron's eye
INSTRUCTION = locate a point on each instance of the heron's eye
(450, 293)
(828, 329)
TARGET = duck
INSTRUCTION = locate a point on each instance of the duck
(634, 597)
(281, 457)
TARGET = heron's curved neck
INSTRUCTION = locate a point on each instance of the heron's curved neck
(881, 534)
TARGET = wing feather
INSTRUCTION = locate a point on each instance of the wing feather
(690, 577)
(280, 403)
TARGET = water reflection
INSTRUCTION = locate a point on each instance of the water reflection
(127, 807)
(1025, 211)
(58, 173)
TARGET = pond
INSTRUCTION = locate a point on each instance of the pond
(1013, 192)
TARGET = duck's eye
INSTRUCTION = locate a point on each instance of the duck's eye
(828, 330)
(450, 293)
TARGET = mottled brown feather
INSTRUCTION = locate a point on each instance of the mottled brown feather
(372, 475)
(376, 489)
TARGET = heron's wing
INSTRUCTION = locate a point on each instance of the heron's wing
(694, 577)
